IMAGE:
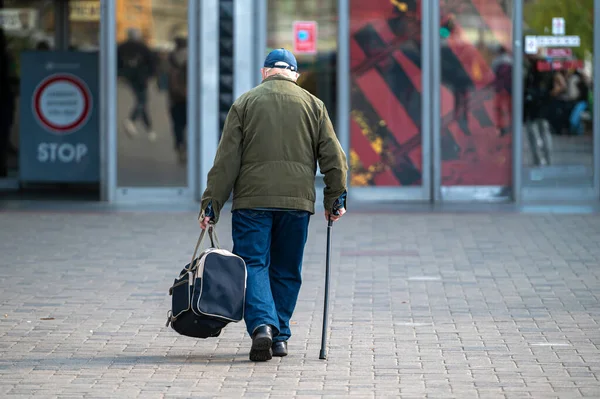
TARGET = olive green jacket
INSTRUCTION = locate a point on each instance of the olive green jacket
(273, 137)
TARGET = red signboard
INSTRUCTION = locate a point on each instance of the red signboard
(545, 66)
(305, 37)
(559, 52)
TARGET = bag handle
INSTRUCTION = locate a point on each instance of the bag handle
(213, 238)
(212, 233)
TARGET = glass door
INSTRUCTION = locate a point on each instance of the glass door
(559, 138)
(389, 90)
(153, 146)
(374, 77)
(473, 67)
(309, 29)
(24, 27)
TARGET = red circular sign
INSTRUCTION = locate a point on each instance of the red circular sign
(62, 103)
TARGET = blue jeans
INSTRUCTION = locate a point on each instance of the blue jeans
(575, 124)
(272, 245)
(139, 109)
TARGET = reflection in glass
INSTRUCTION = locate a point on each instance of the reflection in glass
(476, 95)
(557, 131)
(84, 25)
(318, 70)
(152, 93)
(385, 125)
(25, 25)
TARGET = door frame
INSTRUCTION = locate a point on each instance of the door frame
(424, 192)
(109, 124)
(478, 193)
(245, 39)
(207, 91)
(517, 103)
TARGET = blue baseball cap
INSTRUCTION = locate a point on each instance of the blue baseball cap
(281, 58)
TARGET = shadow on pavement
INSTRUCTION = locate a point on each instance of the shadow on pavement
(50, 363)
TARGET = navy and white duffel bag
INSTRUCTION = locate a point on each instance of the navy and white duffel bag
(209, 292)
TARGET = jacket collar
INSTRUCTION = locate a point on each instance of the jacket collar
(278, 77)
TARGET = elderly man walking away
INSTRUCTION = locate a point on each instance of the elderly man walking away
(273, 137)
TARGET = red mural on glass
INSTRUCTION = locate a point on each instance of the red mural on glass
(386, 143)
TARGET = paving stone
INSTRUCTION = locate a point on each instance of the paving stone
(439, 305)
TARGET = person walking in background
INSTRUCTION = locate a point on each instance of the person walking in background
(135, 63)
(273, 137)
(556, 107)
(502, 67)
(177, 72)
(578, 94)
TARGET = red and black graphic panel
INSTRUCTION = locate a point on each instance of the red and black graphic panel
(386, 142)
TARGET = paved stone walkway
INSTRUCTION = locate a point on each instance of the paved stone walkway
(436, 305)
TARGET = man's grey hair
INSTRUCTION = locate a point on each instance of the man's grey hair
(285, 72)
(282, 64)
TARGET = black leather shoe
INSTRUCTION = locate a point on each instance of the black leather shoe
(280, 348)
(262, 339)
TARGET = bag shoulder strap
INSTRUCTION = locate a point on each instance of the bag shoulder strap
(213, 237)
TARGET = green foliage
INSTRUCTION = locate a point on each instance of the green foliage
(578, 15)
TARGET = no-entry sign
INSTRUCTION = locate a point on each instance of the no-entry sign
(62, 103)
(59, 119)
(305, 37)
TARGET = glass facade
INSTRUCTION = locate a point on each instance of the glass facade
(476, 93)
(430, 110)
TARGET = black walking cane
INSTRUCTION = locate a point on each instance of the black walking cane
(323, 354)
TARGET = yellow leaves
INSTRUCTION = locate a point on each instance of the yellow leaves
(400, 5)
(476, 71)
